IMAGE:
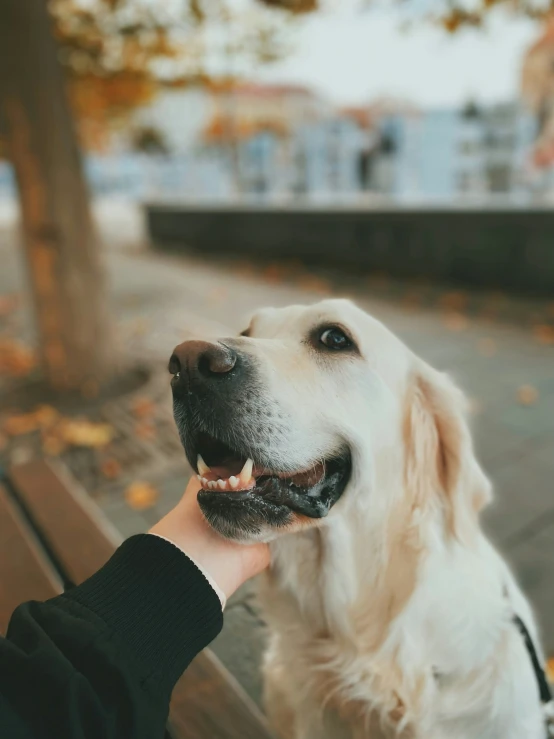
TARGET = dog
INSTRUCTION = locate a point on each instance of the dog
(390, 613)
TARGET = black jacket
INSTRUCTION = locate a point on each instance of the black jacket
(101, 660)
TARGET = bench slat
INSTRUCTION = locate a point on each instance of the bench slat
(76, 531)
(207, 702)
(211, 686)
(24, 574)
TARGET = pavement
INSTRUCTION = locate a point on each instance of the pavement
(507, 370)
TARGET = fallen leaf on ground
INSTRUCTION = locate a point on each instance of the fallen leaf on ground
(81, 432)
(550, 669)
(143, 407)
(141, 495)
(16, 359)
(487, 347)
(544, 333)
(275, 273)
(23, 423)
(19, 424)
(456, 322)
(315, 284)
(46, 416)
(454, 301)
(145, 430)
(527, 395)
(111, 469)
(53, 446)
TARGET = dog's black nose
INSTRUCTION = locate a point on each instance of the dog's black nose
(202, 358)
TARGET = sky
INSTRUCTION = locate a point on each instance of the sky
(354, 57)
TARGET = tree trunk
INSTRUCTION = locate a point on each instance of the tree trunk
(61, 246)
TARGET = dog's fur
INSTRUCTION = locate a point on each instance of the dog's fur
(391, 617)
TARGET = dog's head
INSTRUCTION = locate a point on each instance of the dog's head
(310, 406)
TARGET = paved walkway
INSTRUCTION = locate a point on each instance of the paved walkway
(506, 370)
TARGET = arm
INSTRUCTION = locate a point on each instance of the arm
(102, 659)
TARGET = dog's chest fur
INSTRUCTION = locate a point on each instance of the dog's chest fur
(439, 669)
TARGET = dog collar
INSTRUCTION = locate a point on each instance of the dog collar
(545, 691)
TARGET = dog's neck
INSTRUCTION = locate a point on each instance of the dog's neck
(355, 574)
(352, 567)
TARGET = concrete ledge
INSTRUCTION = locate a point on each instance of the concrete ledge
(510, 248)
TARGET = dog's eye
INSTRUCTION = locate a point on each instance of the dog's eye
(335, 338)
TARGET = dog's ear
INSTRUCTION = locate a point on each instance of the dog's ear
(441, 465)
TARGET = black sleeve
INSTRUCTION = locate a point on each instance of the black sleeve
(101, 661)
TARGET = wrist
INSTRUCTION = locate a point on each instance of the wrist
(214, 556)
(225, 562)
(218, 591)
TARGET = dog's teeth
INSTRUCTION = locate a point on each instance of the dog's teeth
(199, 477)
(234, 482)
(222, 484)
(204, 482)
(212, 484)
(202, 466)
(246, 472)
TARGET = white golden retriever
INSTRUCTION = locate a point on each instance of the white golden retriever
(390, 613)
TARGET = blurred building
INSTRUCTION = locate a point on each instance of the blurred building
(285, 141)
(446, 153)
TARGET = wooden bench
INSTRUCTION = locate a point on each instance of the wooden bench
(52, 535)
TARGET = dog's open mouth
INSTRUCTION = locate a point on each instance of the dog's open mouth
(221, 469)
(232, 477)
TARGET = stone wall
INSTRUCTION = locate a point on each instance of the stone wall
(510, 249)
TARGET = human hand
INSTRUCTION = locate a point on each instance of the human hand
(228, 563)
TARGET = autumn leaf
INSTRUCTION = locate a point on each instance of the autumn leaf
(456, 322)
(275, 273)
(141, 495)
(455, 301)
(544, 333)
(314, 284)
(110, 469)
(143, 407)
(527, 395)
(20, 424)
(145, 431)
(53, 446)
(550, 669)
(46, 416)
(81, 432)
(16, 359)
